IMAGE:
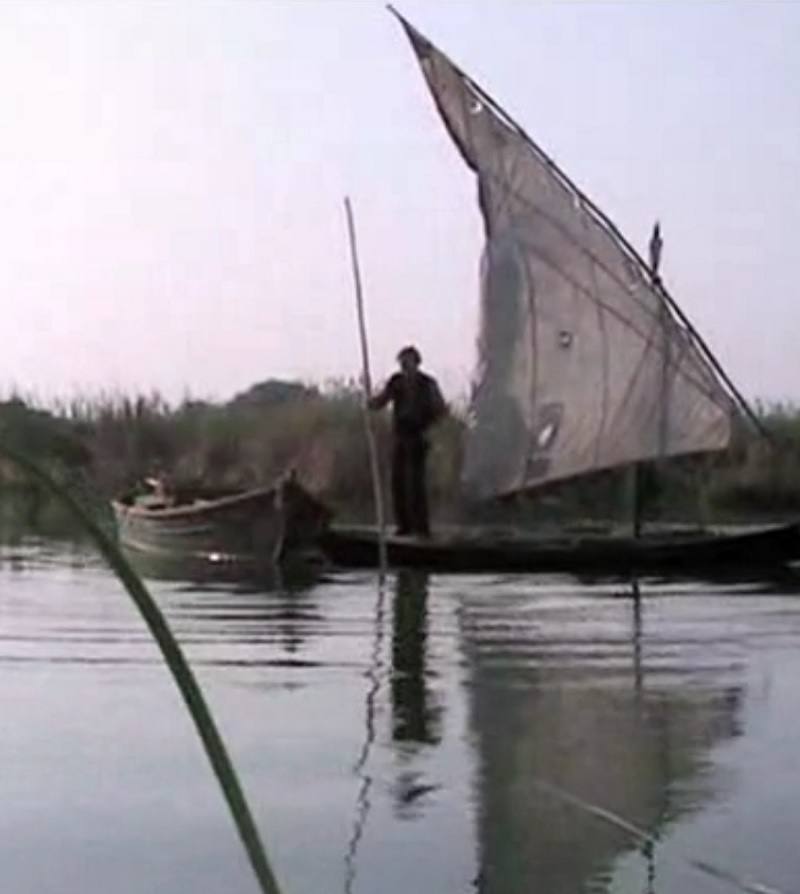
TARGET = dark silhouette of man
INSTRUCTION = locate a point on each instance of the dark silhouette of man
(417, 403)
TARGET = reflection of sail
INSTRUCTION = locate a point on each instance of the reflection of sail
(414, 719)
(570, 712)
(583, 362)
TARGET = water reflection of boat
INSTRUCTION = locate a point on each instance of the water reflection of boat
(294, 572)
(571, 732)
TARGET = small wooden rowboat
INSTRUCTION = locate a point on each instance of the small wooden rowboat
(231, 527)
(480, 550)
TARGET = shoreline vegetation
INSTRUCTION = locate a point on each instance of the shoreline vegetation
(110, 443)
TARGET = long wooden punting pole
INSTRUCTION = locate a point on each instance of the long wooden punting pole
(606, 222)
(367, 380)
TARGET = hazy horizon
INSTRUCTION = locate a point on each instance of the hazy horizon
(173, 175)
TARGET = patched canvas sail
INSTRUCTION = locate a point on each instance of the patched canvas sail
(582, 363)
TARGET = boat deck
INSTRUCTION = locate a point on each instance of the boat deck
(459, 549)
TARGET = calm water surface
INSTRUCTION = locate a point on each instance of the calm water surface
(489, 734)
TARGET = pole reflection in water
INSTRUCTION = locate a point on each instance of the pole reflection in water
(363, 803)
(415, 717)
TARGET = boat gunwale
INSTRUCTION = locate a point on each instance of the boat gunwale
(520, 538)
(776, 545)
(195, 509)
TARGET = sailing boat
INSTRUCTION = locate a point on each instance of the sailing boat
(585, 362)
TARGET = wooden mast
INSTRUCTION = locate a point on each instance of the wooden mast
(640, 470)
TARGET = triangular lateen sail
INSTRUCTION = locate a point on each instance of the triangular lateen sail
(582, 365)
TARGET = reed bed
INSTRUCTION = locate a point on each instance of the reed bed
(317, 430)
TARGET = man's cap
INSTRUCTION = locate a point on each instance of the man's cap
(409, 351)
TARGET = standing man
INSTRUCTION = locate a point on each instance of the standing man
(417, 403)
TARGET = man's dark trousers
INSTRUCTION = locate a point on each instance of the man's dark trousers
(409, 494)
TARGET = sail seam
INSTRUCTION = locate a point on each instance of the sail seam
(564, 231)
(535, 375)
(635, 375)
(700, 386)
(601, 325)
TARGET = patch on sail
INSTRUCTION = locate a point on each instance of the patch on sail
(544, 441)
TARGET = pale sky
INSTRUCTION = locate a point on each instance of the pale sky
(172, 174)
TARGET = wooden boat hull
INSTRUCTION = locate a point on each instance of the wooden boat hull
(764, 548)
(260, 525)
(296, 571)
